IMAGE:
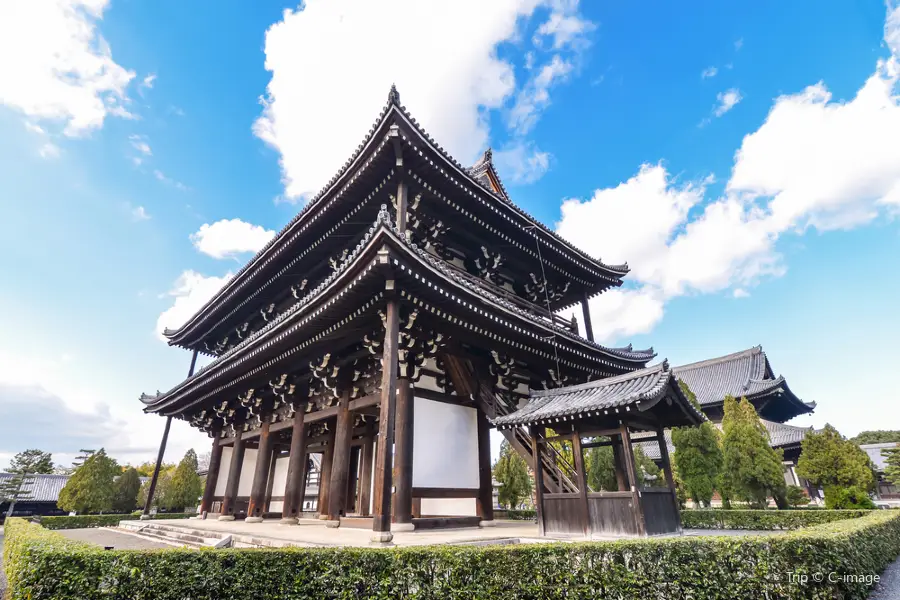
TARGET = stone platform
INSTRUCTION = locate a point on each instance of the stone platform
(314, 533)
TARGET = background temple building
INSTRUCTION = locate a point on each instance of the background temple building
(408, 307)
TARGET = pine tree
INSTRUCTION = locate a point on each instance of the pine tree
(126, 491)
(837, 465)
(90, 488)
(698, 457)
(16, 489)
(31, 461)
(511, 472)
(751, 468)
(892, 462)
(186, 486)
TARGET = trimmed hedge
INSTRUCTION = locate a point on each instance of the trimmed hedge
(711, 518)
(43, 565)
(528, 514)
(86, 521)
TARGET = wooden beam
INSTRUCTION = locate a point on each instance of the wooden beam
(353, 480)
(364, 506)
(365, 402)
(381, 522)
(667, 470)
(325, 473)
(403, 447)
(636, 505)
(423, 492)
(536, 450)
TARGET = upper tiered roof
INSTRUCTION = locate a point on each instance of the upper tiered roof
(745, 374)
(477, 195)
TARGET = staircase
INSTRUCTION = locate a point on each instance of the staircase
(179, 536)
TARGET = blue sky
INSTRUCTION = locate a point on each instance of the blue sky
(742, 157)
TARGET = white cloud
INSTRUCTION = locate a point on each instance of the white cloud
(565, 26)
(535, 96)
(522, 162)
(812, 163)
(709, 72)
(738, 44)
(191, 291)
(726, 101)
(227, 238)
(49, 150)
(147, 83)
(34, 128)
(332, 63)
(57, 66)
(139, 143)
(167, 180)
(140, 214)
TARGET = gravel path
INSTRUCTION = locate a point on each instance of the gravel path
(106, 537)
(888, 588)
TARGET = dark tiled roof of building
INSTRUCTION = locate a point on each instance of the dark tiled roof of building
(633, 392)
(781, 435)
(44, 488)
(742, 374)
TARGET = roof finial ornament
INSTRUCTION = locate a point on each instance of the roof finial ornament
(488, 154)
(394, 95)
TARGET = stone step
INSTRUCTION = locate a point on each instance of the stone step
(193, 538)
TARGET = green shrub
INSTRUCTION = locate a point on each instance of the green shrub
(528, 514)
(738, 518)
(86, 521)
(838, 497)
(43, 565)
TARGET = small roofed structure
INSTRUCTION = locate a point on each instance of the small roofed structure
(605, 412)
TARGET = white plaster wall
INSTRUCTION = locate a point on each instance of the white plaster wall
(246, 482)
(276, 506)
(452, 507)
(279, 480)
(445, 445)
(428, 382)
(224, 467)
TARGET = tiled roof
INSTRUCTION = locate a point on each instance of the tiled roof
(742, 374)
(780, 435)
(874, 452)
(633, 392)
(45, 488)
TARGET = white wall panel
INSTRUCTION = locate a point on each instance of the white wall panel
(276, 506)
(246, 483)
(280, 479)
(448, 507)
(224, 466)
(445, 445)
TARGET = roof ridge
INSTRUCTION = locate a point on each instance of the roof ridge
(662, 367)
(719, 359)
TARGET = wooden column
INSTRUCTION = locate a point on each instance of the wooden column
(364, 504)
(162, 451)
(295, 486)
(485, 502)
(340, 462)
(581, 481)
(403, 461)
(538, 477)
(381, 524)
(260, 476)
(633, 481)
(234, 478)
(325, 474)
(352, 480)
(667, 470)
(212, 477)
(619, 464)
(586, 310)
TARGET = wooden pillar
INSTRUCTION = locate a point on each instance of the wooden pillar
(340, 462)
(325, 474)
(234, 478)
(403, 461)
(667, 470)
(260, 476)
(538, 477)
(619, 464)
(631, 468)
(381, 523)
(581, 482)
(353, 480)
(364, 503)
(295, 486)
(586, 310)
(162, 451)
(212, 477)
(485, 502)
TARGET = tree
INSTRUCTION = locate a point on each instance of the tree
(795, 496)
(751, 467)
(145, 469)
(599, 463)
(14, 489)
(698, 456)
(90, 488)
(835, 464)
(647, 470)
(31, 461)
(892, 464)
(511, 472)
(880, 436)
(126, 490)
(162, 488)
(186, 486)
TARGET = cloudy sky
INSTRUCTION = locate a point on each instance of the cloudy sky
(742, 157)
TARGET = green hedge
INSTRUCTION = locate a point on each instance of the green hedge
(44, 565)
(528, 514)
(711, 518)
(85, 521)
